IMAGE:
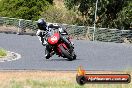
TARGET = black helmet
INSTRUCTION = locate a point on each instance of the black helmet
(42, 24)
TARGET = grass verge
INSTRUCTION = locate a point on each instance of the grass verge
(3, 53)
(43, 79)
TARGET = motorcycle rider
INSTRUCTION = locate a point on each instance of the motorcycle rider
(44, 29)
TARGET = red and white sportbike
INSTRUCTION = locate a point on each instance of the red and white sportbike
(58, 45)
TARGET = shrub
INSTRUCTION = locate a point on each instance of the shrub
(2, 52)
(25, 9)
(59, 15)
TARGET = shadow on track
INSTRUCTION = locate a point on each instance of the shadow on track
(60, 59)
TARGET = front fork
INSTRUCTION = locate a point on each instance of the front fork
(70, 46)
(67, 41)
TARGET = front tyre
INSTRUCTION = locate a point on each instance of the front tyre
(74, 55)
(66, 53)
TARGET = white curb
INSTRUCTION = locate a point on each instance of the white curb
(11, 56)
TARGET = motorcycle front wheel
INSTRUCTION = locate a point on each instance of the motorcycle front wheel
(66, 53)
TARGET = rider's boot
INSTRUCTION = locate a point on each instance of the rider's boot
(48, 52)
(48, 55)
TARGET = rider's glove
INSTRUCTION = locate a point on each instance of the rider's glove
(44, 42)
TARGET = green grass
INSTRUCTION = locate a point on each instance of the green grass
(15, 84)
(3, 52)
(48, 80)
(30, 83)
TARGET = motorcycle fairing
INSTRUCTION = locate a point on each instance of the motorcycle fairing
(54, 39)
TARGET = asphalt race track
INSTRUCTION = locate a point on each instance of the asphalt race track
(91, 55)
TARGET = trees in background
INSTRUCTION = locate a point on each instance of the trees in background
(26, 9)
(124, 17)
(111, 13)
(59, 15)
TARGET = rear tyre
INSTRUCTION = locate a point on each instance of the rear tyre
(66, 53)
